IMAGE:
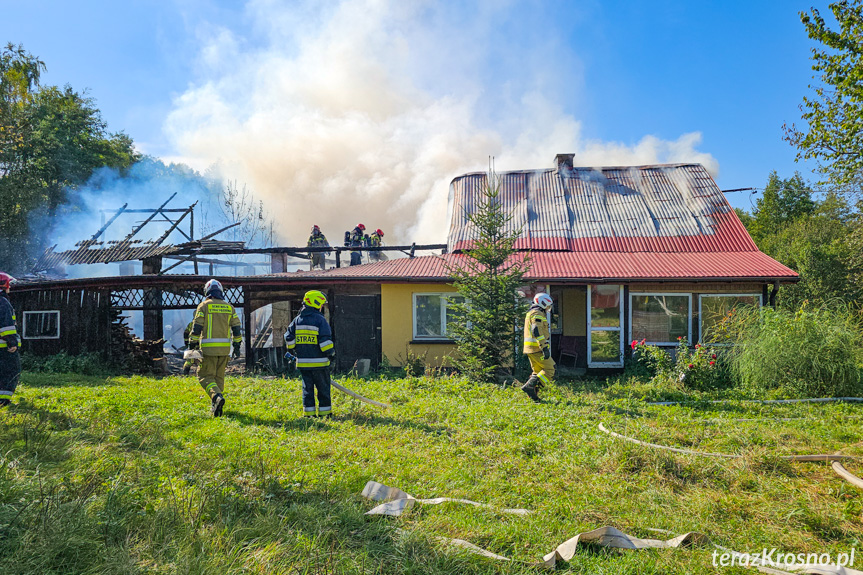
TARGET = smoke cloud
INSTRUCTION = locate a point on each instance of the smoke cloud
(364, 111)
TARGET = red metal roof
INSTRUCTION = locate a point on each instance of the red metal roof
(584, 266)
(661, 208)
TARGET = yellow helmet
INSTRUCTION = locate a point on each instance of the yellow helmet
(315, 299)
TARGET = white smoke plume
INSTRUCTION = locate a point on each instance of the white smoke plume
(364, 111)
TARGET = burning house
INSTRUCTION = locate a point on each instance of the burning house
(648, 252)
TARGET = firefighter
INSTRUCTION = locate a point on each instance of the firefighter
(375, 242)
(191, 346)
(10, 360)
(318, 240)
(357, 240)
(311, 338)
(537, 345)
(216, 327)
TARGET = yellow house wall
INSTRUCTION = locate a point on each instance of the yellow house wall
(397, 325)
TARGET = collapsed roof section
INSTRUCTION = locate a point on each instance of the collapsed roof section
(94, 251)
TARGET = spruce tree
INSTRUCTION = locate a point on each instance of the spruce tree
(488, 312)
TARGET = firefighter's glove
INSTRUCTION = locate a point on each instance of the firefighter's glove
(290, 361)
(236, 353)
(546, 353)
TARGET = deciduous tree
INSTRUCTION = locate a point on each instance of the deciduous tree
(833, 134)
(51, 140)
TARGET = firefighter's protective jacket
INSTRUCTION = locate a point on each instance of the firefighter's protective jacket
(318, 240)
(375, 240)
(8, 331)
(536, 332)
(215, 324)
(357, 238)
(311, 339)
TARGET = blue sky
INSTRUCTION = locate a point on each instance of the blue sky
(732, 71)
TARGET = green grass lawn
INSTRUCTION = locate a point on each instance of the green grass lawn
(131, 475)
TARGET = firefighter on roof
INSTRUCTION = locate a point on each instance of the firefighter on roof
(216, 327)
(537, 345)
(375, 242)
(310, 337)
(318, 240)
(10, 360)
(357, 240)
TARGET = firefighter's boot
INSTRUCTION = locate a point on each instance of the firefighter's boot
(530, 388)
(218, 404)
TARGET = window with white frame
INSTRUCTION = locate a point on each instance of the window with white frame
(41, 325)
(660, 318)
(714, 309)
(604, 325)
(431, 314)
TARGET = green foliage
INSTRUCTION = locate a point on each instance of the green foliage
(485, 322)
(819, 239)
(698, 368)
(833, 115)
(51, 140)
(85, 364)
(783, 201)
(811, 352)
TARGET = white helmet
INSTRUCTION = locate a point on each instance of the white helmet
(543, 300)
(213, 285)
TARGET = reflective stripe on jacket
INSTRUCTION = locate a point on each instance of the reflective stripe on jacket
(310, 338)
(8, 330)
(318, 241)
(536, 333)
(219, 321)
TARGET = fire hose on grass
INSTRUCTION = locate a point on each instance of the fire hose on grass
(292, 362)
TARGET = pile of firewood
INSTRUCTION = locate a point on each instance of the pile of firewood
(137, 355)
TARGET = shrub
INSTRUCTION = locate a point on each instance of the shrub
(806, 353)
(701, 367)
(85, 364)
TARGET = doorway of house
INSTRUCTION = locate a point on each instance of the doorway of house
(357, 330)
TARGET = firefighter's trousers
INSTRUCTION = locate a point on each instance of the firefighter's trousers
(542, 368)
(211, 374)
(316, 379)
(10, 371)
(356, 258)
(318, 260)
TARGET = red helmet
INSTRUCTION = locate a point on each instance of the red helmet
(315, 228)
(379, 232)
(361, 227)
(6, 281)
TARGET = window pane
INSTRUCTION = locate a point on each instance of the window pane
(716, 308)
(605, 306)
(660, 318)
(41, 324)
(450, 312)
(427, 313)
(605, 346)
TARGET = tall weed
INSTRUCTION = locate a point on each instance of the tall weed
(814, 351)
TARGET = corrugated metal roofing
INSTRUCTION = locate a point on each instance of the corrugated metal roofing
(661, 208)
(584, 266)
(93, 252)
